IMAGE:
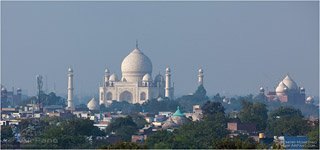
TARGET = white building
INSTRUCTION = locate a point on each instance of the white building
(136, 84)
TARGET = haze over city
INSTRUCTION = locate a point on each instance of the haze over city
(240, 45)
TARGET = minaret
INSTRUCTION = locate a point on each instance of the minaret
(200, 77)
(168, 83)
(70, 90)
(106, 77)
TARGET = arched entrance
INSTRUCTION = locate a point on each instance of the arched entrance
(126, 96)
(109, 96)
(143, 96)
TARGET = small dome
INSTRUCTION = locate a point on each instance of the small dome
(3, 89)
(178, 112)
(200, 70)
(93, 104)
(123, 79)
(309, 98)
(18, 89)
(290, 83)
(302, 89)
(147, 78)
(107, 70)
(261, 89)
(160, 98)
(113, 77)
(70, 69)
(168, 69)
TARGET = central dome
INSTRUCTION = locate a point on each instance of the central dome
(288, 81)
(135, 66)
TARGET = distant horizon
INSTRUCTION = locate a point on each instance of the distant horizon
(240, 45)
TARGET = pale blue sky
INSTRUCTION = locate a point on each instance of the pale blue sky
(240, 45)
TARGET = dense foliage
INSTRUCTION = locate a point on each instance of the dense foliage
(124, 145)
(254, 113)
(198, 98)
(287, 121)
(124, 127)
(45, 100)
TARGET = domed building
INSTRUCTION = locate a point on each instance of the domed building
(287, 91)
(136, 84)
(176, 120)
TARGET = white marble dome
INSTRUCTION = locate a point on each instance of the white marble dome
(281, 89)
(113, 77)
(93, 104)
(147, 78)
(3, 89)
(106, 71)
(290, 83)
(135, 65)
(309, 98)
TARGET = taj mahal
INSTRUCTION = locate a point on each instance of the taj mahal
(136, 84)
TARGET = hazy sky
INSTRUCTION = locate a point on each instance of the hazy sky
(240, 45)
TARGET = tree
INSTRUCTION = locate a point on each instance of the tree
(154, 106)
(217, 98)
(254, 113)
(287, 121)
(124, 127)
(198, 98)
(160, 140)
(313, 136)
(199, 135)
(139, 120)
(211, 108)
(69, 133)
(124, 145)
(214, 111)
(236, 143)
(46, 99)
(6, 133)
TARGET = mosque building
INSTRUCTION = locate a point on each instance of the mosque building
(136, 84)
(286, 91)
(176, 120)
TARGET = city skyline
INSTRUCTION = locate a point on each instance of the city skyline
(266, 40)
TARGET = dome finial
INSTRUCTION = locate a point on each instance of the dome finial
(137, 44)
